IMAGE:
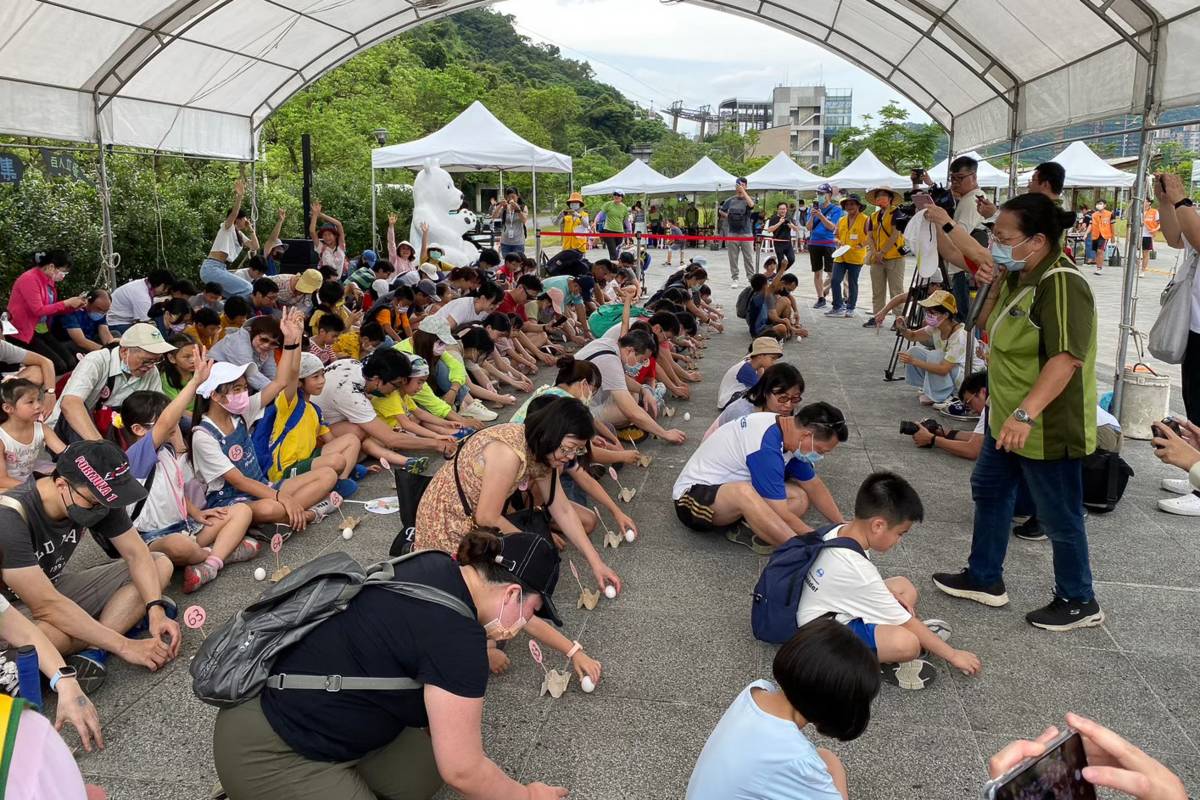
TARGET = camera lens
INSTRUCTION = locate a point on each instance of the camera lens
(907, 428)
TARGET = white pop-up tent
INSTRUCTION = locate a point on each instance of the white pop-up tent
(637, 178)
(703, 176)
(867, 172)
(781, 172)
(988, 175)
(1085, 169)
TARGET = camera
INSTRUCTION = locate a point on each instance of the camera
(908, 427)
(1168, 422)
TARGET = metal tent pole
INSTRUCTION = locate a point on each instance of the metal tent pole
(537, 240)
(1134, 221)
(374, 193)
(107, 254)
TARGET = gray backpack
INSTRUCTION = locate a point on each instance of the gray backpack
(234, 663)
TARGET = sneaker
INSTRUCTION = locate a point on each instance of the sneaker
(477, 410)
(1177, 485)
(940, 628)
(959, 584)
(836, 312)
(143, 626)
(956, 409)
(196, 575)
(820, 303)
(870, 323)
(326, 507)
(912, 675)
(247, 550)
(415, 465)
(733, 284)
(945, 404)
(1186, 506)
(1064, 615)
(1029, 530)
(740, 534)
(1098, 272)
(91, 668)
(848, 313)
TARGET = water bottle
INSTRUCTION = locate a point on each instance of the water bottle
(28, 676)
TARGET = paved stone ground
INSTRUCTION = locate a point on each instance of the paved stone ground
(676, 646)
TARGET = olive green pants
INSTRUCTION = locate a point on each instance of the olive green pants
(253, 763)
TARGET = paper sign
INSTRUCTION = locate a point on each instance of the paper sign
(535, 651)
(574, 571)
(612, 472)
(383, 462)
(194, 617)
(276, 543)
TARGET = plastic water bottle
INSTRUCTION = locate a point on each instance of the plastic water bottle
(28, 676)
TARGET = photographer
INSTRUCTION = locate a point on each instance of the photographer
(735, 212)
(781, 229)
(937, 371)
(964, 185)
(512, 217)
(959, 443)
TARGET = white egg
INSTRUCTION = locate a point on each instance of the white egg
(630, 535)
(687, 416)
(587, 684)
(610, 592)
(347, 533)
(260, 574)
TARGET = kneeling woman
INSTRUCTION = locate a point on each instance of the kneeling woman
(938, 371)
(298, 744)
(475, 487)
(780, 390)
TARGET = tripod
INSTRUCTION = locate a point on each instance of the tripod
(913, 316)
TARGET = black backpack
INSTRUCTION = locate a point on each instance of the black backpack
(1105, 476)
(743, 302)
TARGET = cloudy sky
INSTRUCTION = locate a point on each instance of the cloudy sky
(656, 53)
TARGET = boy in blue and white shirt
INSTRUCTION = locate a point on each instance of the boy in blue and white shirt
(760, 468)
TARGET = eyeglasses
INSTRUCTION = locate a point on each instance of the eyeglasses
(788, 398)
(960, 176)
(568, 452)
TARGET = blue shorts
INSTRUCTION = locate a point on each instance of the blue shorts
(184, 526)
(864, 631)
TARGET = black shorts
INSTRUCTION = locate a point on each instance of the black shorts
(785, 250)
(1098, 244)
(821, 257)
(1147, 243)
(694, 507)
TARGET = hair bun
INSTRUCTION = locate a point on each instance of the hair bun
(478, 546)
(565, 361)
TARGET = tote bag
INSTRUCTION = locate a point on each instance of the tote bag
(1169, 336)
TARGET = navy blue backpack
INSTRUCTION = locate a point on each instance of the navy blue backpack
(777, 593)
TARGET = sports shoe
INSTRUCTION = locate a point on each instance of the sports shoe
(820, 303)
(940, 628)
(1098, 272)
(91, 668)
(848, 313)
(247, 550)
(1187, 505)
(870, 323)
(912, 675)
(956, 409)
(733, 284)
(1177, 485)
(196, 575)
(740, 534)
(1064, 615)
(326, 507)
(836, 312)
(959, 584)
(143, 626)
(1029, 530)
(474, 409)
(415, 465)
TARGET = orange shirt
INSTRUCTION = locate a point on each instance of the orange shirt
(1102, 225)
(1150, 220)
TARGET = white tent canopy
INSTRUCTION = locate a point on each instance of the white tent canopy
(201, 77)
(637, 178)
(781, 172)
(867, 172)
(1085, 169)
(988, 175)
(474, 141)
(703, 176)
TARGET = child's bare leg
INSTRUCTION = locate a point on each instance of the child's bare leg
(180, 548)
(224, 536)
(340, 455)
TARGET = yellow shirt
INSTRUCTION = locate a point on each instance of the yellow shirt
(393, 406)
(571, 221)
(882, 226)
(347, 345)
(300, 441)
(854, 235)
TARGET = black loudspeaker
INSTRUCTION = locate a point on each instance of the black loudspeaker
(298, 257)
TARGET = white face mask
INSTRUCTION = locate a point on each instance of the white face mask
(497, 630)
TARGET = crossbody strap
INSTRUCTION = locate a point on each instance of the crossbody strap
(462, 496)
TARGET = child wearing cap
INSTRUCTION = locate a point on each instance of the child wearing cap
(224, 455)
(399, 410)
(937, 368)
(200, 541)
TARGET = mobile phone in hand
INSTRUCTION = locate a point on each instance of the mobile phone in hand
(1056, 774)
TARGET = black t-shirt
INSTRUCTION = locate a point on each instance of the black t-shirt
(45, 542)
(783, 233)
(381, 634)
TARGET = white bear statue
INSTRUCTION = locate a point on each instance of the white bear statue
(436, 201)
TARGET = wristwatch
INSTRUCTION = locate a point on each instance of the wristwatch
(63, 672)
(1187, 201)
(1021, 415)
(948, 228)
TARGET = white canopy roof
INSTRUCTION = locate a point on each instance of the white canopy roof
(988, 176)
(474, 141)
(867, 172)
(1086, 169)
(637, 178)
(201, 76)
(703, 176)
(781, 172)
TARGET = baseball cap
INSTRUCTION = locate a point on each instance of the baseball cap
(586, 284)
(532, 562)
(825, 188)
(310, 365)
(145, 336)
(222, 373)
(369, 257)
(418, 367)
(104, 470)
(766, 346)
(310, 281)
(427, 288)
(940, 298)
(380, 286)
(618, 193)
(429, 270)
(439, 328)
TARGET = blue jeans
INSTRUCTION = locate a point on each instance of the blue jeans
(1056, 488)
(441, 384)
(960, 287)
(505, 249)
(213, 271)
(937, 387)
(842, 270)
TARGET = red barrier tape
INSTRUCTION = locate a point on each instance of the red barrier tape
(655, 236)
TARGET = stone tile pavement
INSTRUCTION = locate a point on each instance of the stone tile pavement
(676, 646)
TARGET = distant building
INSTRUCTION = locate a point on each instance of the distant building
(642, 152)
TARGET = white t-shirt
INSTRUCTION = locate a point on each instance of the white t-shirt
(954, 349)
(344, 397)
(966, 214)
(130, 303)
(734, 380)
(208, 459)
(20, 458)
(165, 505)
(843, 582)
(607, 358)
(748, 449)
(229, 242)
(461, 310)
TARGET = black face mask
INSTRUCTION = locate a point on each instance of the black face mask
(84, 517)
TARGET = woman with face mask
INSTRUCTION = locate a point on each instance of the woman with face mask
(476, 487)
(297, 744)
(574, 221)
(171, 316)
(1040, 317)
(938, 370)
(33, 304)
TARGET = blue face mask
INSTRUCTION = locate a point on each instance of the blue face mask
(1002, 255)
(95, 316)
(812, 457)
(632, 371)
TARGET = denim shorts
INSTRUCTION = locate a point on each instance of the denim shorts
(185, 526)
(864, 631)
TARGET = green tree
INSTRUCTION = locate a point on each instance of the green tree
(899, 144)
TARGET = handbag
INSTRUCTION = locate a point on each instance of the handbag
(410, 488)
(528, 517)
(1169, 337)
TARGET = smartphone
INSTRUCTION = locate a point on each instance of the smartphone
(1056, 774)
(1170, 423)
